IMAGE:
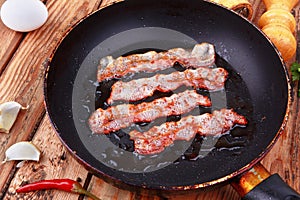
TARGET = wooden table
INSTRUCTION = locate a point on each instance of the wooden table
(22, 56)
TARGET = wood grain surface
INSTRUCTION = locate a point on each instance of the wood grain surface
(22, 60)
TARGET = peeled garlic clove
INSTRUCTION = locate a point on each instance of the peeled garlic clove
(8, 115)
(22, 151)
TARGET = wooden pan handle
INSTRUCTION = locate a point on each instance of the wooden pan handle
(258, 183)
(279, 25)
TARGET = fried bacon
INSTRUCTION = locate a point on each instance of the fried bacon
(157, 138)
(201, 55)
(121, 116)
(203, 77)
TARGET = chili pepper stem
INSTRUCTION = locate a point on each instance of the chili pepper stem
(77, 188)
(87, 193)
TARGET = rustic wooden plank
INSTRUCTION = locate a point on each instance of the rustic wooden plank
(22, 80)
(55, 162)
(258, 9)
(106, 191)
(9, 41)
(105, 3)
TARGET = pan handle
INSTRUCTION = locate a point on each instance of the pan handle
(258, 184)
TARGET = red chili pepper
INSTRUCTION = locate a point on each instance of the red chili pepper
(67, 185)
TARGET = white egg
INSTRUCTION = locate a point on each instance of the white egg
(23, 15)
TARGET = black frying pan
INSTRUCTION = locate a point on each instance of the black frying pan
(257, 87)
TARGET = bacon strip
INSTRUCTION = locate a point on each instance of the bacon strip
(201, 55)
(121, 116)
(157, 138)
(203, 77)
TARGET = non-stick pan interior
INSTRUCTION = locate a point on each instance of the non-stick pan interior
(257, 88)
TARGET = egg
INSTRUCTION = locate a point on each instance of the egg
(23, 15)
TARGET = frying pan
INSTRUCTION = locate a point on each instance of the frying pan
(257, 87)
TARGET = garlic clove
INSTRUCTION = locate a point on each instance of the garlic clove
(22, 151)
(8, 115)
